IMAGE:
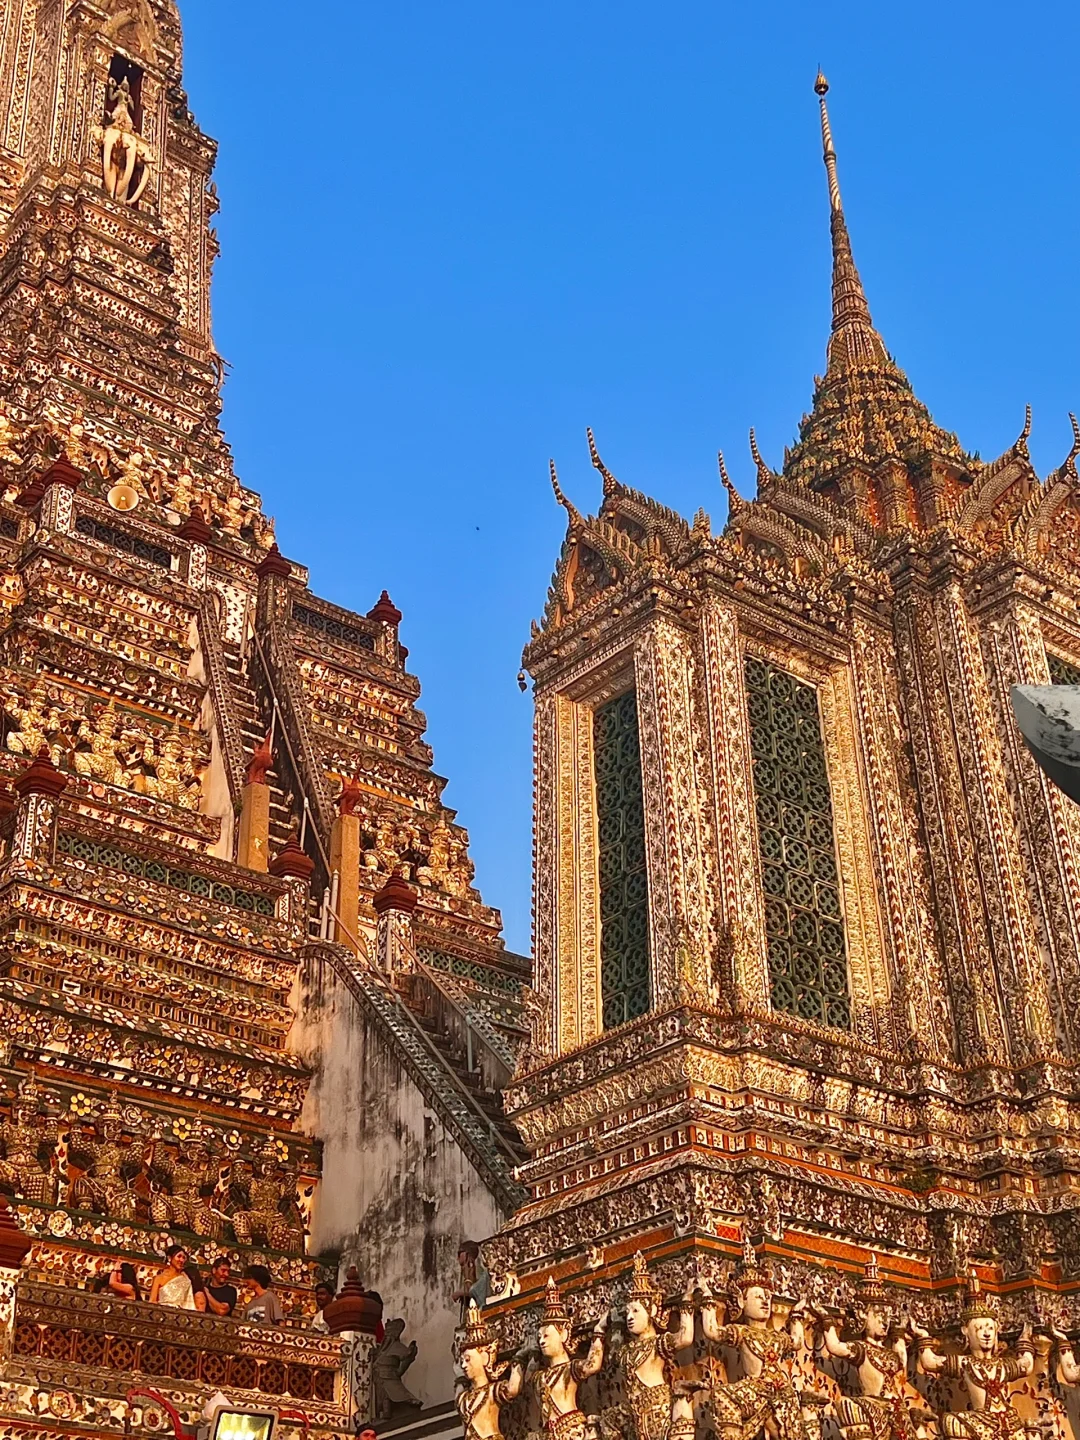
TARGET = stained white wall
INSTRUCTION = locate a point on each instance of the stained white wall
(397, 1195)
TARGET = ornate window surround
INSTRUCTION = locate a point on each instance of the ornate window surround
(567, 877)
(868, 972)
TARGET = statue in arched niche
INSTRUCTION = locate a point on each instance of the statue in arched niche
(123, 149)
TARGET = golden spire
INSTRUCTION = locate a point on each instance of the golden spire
(854, 340)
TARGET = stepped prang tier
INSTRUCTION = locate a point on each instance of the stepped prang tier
(252, 1004)
(807, 920)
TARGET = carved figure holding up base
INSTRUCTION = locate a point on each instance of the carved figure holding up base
(765, 1396)
(555, 1382)
(646, 1363)
(23, 1135)
(487, 1393)
(272, 1189)
(104, 1187)
(986, 1375)
(881, 1412)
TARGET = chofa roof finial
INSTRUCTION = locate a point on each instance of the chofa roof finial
(570, 509)
(610, 483)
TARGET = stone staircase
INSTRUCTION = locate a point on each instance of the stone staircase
(439, 1422)
(416, 993)
(254, 727)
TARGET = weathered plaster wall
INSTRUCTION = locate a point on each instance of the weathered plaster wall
(397, 1195)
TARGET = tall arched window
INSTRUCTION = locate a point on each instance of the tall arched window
(808, 968)
(625, 986)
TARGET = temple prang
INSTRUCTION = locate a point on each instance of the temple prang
(777, 1133)
(209, 774)
(807, 926)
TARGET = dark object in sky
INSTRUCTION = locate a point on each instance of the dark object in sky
(1049, 720)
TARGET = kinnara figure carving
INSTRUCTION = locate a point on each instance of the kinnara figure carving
(986, 1375)
(882, 1411)
(765, 1396)
(646, 1362)
(488, 1391)
(554, 1382)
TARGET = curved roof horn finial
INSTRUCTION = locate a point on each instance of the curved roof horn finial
(735, 500)
(764, 474)
(610, 483)
(570, 509)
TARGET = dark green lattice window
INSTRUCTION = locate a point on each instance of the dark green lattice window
(625, 987)
(803, 918)
(1062, 672)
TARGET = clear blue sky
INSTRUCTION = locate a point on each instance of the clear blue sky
(455, 235)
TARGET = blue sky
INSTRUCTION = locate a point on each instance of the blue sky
(455, 235)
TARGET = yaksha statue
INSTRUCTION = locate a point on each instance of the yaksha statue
(271, 1193)
(24, 1135)
(104, 1186)
(881, 1411)
(986, 1374)
(765, 1396)
(646, 1362)
(487, 1391)
(554, 1382)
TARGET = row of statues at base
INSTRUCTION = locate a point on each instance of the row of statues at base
(656, 1404)
(197, 1184)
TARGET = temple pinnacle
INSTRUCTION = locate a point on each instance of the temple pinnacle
(854, 339)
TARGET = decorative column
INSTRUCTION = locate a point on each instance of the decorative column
(743, 968)
(676, 794)
(54, 490)
(395, 948)
(274, 573)
(920, 990)
(389, 618)
(982, 904)
(14, 1248)
(1047, 821)
(294, 864)
(355, 1319)
(39, 788)
(197, 533)
(345, 862)
(252, 847)
(566, 880)
(59, 484)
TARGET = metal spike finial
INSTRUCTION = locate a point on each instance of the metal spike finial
(821, 89)
(855, 342)
(610, 483)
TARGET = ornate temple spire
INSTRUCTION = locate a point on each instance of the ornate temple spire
(854, 340)
(865, 418)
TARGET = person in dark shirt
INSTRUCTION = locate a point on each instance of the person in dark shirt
(220, 1295)
(264, 1307)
